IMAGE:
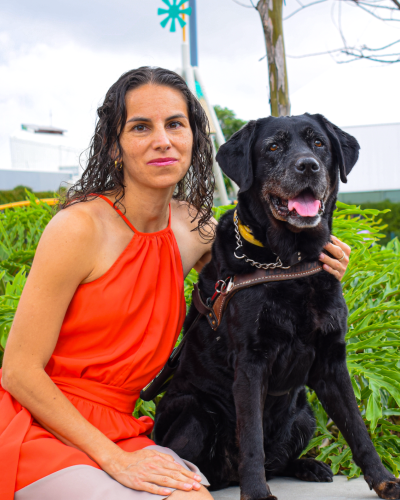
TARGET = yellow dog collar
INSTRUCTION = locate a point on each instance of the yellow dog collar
(246, 233)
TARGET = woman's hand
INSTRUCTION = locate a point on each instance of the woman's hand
(341, 251)
(151, 471)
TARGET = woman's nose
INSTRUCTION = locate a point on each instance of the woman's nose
(161, 140)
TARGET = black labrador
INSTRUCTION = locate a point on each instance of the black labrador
(237, 405)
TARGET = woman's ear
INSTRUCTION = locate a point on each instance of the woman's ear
(345, 147)
(235, 156)
(115, 152)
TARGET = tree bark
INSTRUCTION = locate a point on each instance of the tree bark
(271, 17)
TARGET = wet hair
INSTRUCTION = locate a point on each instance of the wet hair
(100, 175)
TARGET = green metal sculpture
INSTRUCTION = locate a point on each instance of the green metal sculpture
(174, 12)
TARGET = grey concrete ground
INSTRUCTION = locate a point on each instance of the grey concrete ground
(293, 489)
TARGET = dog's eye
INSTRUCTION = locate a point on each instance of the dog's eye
(274, 147)
(318, 143)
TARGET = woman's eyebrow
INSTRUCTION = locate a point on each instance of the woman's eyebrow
(147, 120)
(179, 115)
(138, 119)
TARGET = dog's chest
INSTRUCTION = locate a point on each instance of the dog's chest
(291, 322)
(300, 310)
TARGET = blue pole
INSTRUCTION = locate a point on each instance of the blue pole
(194, 61)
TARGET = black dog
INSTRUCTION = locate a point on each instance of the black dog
(237, 406)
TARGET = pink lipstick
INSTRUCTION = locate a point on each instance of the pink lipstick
(162, 162)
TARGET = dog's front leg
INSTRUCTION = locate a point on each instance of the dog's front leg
(331, 381)
(249, 392)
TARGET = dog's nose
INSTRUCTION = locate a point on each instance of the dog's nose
(306, 165)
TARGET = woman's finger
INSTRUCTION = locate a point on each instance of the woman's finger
(334, 272)
(336, 251)
(175, 466)
(165, 456)
(155, 462)
(178, 476)
(334, 266)
(165, 480)
(155, 456)
(334, 263)
(166, 474)
(338, 264)
(341, 244)
(152, 488)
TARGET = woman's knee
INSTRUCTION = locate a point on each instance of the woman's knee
(201, 494)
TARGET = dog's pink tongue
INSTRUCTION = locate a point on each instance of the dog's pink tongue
(305, 204)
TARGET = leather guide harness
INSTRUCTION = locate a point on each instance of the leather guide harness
(231, 286)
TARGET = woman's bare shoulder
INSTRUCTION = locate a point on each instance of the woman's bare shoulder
(78, 219)
(73, 234)
(185, 218)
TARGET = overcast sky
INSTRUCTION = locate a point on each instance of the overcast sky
(61, 57)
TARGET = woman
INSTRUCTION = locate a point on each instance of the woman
(103, 304)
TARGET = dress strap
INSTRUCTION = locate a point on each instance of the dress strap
(126, 219)
(117, 210)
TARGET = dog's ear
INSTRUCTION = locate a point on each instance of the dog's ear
(235, 156)
(345, 147)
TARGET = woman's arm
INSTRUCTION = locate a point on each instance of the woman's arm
(206, 257)
(194, 248)
(65, 257)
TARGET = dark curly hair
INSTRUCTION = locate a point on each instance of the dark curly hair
(101, 176)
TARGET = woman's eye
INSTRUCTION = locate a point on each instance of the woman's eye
(318, 143)
(139, 128)
(175, 124)
(274, 147)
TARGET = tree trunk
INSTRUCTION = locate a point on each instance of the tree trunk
(271, 17)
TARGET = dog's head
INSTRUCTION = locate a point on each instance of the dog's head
(292, 164)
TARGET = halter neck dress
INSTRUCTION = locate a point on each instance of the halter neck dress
(117, 334)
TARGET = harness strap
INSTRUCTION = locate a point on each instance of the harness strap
(215, 311)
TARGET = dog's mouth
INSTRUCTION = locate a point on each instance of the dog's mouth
(303, 207)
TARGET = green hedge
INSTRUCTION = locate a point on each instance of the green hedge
(371, 288)
(391, 218)
(19, 194)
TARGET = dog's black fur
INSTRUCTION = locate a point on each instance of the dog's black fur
(279, 336)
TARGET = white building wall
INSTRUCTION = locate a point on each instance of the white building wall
(37, 181)
(378, 168)
(42, 156)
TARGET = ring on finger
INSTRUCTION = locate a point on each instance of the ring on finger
(342, 257)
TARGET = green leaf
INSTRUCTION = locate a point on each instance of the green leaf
(356, 389)
(313, 443)
(354, 471)
(374, 408)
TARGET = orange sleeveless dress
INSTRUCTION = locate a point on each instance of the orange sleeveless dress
(118, 332)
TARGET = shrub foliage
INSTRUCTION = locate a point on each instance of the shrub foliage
(19, 194)
(371, 288)
(228, 121)
(391, 218)
(20, 231)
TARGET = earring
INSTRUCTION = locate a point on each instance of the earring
(118, 167)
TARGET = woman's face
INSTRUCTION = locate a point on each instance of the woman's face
(157, 139)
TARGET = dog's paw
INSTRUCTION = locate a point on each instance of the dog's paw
(308, 469)
(389, 489)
